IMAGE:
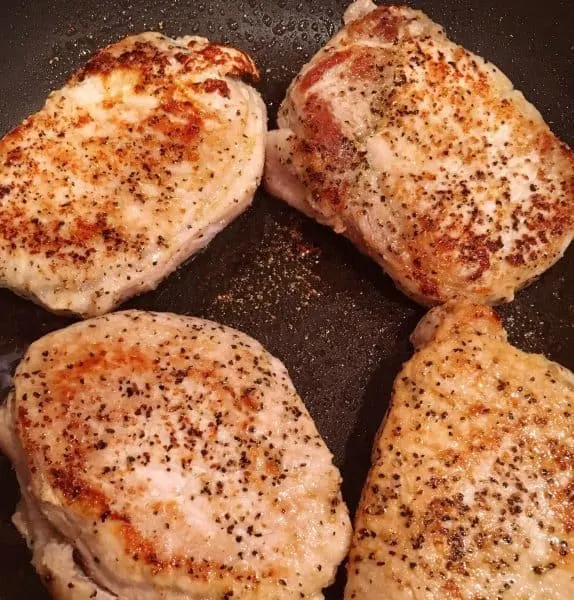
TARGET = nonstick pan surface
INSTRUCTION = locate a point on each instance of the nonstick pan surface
(329, 313)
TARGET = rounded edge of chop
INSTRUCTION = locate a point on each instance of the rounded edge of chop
(453, 317)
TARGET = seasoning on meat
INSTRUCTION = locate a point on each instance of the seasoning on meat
(146, 153)
(471, 490)
(169, 457)
(423, 155)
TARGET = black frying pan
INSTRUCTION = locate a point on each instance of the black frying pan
(329, 313)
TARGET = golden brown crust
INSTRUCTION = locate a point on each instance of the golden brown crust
(152, 63)
(423, 155)
(104, 189)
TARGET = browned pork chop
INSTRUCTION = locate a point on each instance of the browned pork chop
(424, 156)
(135, 164)
(173, 458)
(471, 491)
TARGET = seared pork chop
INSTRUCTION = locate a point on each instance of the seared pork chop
(135, 164)
(173, 458)
(424, 156)
(471, 490)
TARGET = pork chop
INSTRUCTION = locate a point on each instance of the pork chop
(423, 155)
(471, 490)
(145, 154)
(167, 457)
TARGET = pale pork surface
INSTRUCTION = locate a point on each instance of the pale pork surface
(136, 163)
(471, 490)
(167, 457)
(423, 155)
